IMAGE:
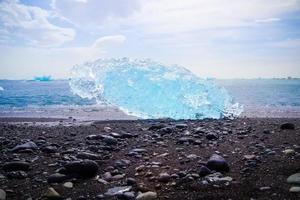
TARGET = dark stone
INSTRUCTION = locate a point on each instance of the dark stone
(131, 181)
(16, 166)
(109, 140)
(137, 151)
(204, 171)
(166, 130)
(16, 175)
(84, 169)
(287, 126)
(27, 145)
(181, 126)
(183, 140)
(126, 135)
(217, 163)
(89, 156)
(126, 196)
(93, 137)
(122, 163)
(164, 177)
(49, 149)
(57, 178)
(212, 136)
(155, 127)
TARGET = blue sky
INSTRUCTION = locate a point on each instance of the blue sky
(212, 38)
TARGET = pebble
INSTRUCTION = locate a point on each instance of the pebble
(107, 129)
(27, 145)
(264, 188)
(16, 175)
(117, 190)
(109, 140)
(147, 196)
(57, 178)
(2, 195)
(204, 171)
(164, 177)
(294, 179)
(16, 166)
(49, 149)
(181, 126)
(89, 156)
(183, 140)
(131, 181)
(295, 189)
(68, 184)
(249, 157)
(107, 176)
(217, 163)
(211, 136)
(52, 194)
(85, 168)
(127, 196)
(287, 126)
(289, 152)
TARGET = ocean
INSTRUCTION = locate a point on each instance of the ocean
(260, 98)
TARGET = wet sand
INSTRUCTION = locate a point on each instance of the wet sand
(168, 158)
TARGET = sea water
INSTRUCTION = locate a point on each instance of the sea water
(22, 98)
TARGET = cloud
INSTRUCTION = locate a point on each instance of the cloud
(267, 20)
(56, 61)
(163, 16)
(94, 12)
(32, 24)
(109, 40)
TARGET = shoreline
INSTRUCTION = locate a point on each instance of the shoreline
(169, 161)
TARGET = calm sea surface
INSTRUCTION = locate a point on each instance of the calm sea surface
(260, 98)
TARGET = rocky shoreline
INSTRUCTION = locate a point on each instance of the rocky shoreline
(151, 159)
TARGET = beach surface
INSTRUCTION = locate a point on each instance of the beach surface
(144, 159)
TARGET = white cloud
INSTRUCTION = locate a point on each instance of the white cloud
(109, 40)
(32, 24)
(165, 16)
(56, 61)
(267, 20)
(91, 13)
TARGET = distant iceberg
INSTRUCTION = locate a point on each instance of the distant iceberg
(148, 89)
(42, 78)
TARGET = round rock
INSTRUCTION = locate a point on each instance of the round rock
(294, 179)
(16, 166)
(217, 163)
(85, 168)
(2, 195)
(147, 196)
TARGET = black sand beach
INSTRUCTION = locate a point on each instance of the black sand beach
(167, 158)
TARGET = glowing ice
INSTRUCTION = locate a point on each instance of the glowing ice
(149, 89)
(42, 78)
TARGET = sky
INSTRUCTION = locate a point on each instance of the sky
(212, 38)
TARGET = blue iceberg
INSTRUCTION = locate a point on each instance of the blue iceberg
(42, 78)
(148, 89)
